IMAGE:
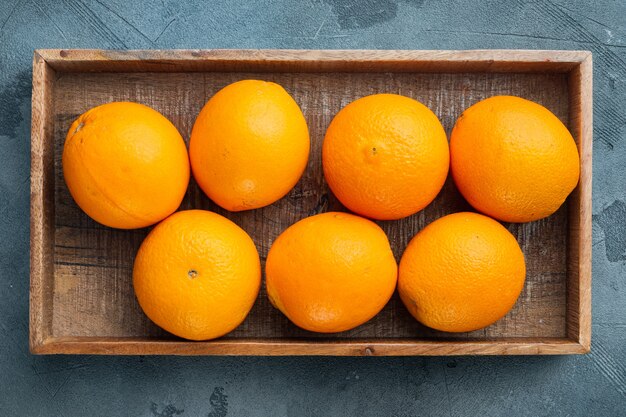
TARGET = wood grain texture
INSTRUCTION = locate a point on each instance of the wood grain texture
(286, 60)
(273, 347)
(93, 309)
(42, 204)
(580, 215)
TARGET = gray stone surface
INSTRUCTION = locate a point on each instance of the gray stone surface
(592, 385)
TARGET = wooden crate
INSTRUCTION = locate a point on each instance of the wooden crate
(81, 297)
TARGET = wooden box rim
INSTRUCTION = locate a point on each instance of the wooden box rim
(577, 64)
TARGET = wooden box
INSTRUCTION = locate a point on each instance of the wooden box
(81, 296)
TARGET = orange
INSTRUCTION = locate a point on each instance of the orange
(125, 165)
(462, 272)
(385, 156)
(513, 159)
(331, 272)
(197, 275)
(249, 145)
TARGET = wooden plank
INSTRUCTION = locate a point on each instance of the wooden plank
(41, 203)
(270, 347)
(313, 60)
(580, 233)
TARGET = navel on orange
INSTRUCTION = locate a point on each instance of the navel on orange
(513, 159)
(462, 272)
(249, 145)
(331, 272)
(197, 275)
(125, 165)
(385, 156)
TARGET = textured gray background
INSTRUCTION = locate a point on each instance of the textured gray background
(592, 385)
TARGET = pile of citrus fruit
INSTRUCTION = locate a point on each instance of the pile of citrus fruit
(384, 156)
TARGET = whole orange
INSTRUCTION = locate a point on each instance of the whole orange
(462, 272)
(125, 165)
(197, 275)
(331, 272)
(385, 156)
(249, 145)
(512, 159)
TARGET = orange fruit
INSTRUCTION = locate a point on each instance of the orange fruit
(462, 272)
(385, 156)
(197, 275)
(330, 272)
(249, 145)
(513, 159)
(125, 165)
